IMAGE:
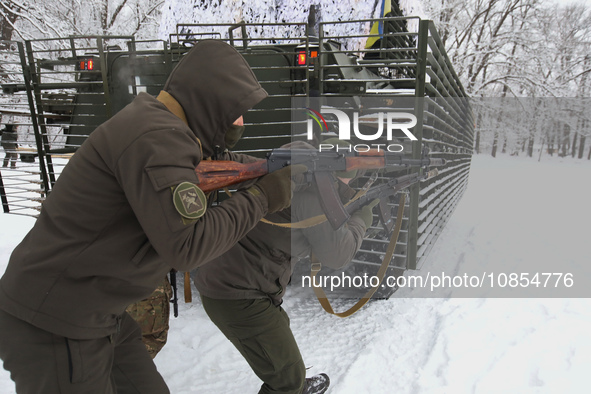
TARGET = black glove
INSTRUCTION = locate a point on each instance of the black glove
(366, 213)
(278, 187)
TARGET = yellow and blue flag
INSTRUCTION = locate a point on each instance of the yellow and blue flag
(377, 30)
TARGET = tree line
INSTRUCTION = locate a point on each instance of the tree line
(526, 64)
(514, 57)
(25, 19)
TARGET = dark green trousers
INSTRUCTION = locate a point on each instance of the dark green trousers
(42, 362)
(260, 331)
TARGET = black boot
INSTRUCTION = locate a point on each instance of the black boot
(317, 384)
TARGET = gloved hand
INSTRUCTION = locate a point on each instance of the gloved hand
(278, 187)
(366, 213)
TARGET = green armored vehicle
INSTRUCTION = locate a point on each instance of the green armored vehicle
(63, 88)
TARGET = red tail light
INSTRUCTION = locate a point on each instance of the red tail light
(301, 58)
(85, 64)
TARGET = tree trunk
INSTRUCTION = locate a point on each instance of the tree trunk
(104, 16)
(530, 147)
(477, 139)
(494, 146)
(581, 146)
(565, 140)
(574, 147)
(6, 22)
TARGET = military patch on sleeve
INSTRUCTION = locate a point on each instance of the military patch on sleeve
(189, 200)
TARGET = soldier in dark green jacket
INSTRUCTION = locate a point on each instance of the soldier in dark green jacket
(243, 289)
(10, 145)
(125, 210)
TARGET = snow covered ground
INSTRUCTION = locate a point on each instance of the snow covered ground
(516, 213)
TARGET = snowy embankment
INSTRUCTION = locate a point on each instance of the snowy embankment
(515, 213)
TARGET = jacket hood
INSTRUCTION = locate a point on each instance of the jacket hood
(215, 86)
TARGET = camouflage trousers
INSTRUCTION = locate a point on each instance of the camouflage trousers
(152, 315)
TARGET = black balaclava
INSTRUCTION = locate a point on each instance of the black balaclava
(215, 86)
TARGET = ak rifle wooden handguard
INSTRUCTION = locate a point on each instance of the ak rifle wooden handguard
(217, 174)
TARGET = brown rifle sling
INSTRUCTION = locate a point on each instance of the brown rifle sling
(316, 266)
(187, 286)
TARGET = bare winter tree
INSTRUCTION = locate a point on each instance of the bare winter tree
(22, 19)
(520, 48)
(8, 13)
(566, 67)
(479, 35)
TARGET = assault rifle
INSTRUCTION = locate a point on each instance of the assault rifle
(218, 174)
(385, 190)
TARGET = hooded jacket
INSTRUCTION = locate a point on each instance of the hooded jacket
(110, 231)
(260, 265)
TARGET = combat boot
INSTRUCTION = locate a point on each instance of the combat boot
(317, 384)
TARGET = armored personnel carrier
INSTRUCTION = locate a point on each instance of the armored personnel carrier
(59, 89)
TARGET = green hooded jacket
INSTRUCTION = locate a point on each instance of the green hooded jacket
(260, 265)
(110, 231)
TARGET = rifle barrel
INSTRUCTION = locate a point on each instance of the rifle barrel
(390, 188)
